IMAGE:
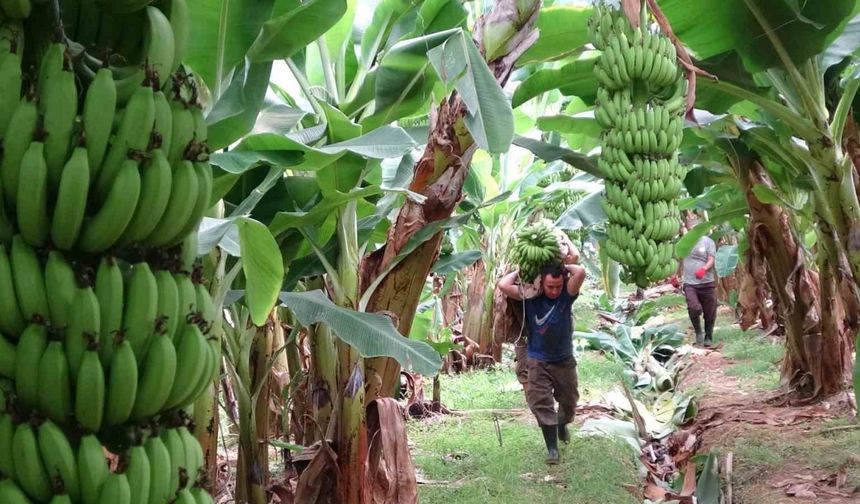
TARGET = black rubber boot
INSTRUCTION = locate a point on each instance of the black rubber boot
(697, 326)
(563, 432)
(709, 333)
(550, 437)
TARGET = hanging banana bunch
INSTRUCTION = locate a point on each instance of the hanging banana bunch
(104, 322)
(640, 106)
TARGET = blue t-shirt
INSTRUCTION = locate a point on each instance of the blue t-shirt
(550, 327)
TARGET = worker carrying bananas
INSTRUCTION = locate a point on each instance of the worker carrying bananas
(551, 364)
(700, 289)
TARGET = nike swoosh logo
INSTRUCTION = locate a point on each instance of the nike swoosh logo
(541, 321)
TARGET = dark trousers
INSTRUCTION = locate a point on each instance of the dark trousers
(702, 300)
(522, 365)
(550, 382)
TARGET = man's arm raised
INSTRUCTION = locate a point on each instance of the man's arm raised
(576, 279)
(507, 284)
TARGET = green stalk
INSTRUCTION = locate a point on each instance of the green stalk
(328, 69)
(221, 48)
(302, 80)
(802, 126)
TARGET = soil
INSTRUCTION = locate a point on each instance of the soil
(728, 415)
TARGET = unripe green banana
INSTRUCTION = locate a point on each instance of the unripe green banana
(71, 202)
(156, 182)
(132, 135)
(115, 490)
(189, 252)
(183, 130)
(61, 499)
(167, 317)
(160, 471)
(11, 321)
(55, 388)
(193, 455)
(206, 307)
(32, 205)
(107, 226)
(92, 469)
(15, 144)
(84, 326)
(7, 455)
(31, 346)
(141, 309)
(109, 290)
(16, 9)
(59, 458)
(61, 283)
(90, 392)
(187, 303)
(10, 493)
(185, 497)
(160, 46)
(201, 497)
(183, 200)
(157, 377)
(58, 104)
(204, 195)
(97, 117)
(176, 449)
(192, 353)
(121, 385)
(139, 475)
(163, 121)
(30, 471)
(7, 358)
(10, 88)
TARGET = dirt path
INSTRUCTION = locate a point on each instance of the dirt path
(780, 454)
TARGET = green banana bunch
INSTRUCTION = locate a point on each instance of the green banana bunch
(534, 246)
(639, 143)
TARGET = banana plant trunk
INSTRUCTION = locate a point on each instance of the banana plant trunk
(253, 464)
(439, 176)
(812, 337)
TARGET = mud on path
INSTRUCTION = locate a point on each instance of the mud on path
(780, 454)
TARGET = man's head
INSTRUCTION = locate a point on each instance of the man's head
(552, 280)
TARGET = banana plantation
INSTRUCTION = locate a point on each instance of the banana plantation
(439, 251)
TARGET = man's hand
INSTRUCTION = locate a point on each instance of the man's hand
(701, 272)
(674, 281)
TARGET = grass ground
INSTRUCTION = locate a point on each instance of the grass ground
(462, 461)
(462, 456)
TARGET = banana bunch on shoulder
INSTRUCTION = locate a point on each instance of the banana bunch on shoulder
(640, 105)
(535, 246)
